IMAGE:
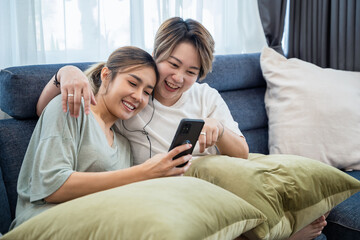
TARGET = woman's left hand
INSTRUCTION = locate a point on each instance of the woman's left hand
(210, 133)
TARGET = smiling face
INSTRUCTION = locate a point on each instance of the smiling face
(129, 92)
(177, 73)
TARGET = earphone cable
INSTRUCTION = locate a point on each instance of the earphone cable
(143, 131)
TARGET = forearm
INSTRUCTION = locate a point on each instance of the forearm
(83, 183)
(233, 145)
(49, 92)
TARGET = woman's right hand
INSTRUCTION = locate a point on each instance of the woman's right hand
(163, 165)
(72, 81)
(74, 85)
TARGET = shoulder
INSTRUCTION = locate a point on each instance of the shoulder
(204, 88)
(54, 118)
(204, 92)
(53, 111)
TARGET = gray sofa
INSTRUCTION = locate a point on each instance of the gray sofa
(237, 77)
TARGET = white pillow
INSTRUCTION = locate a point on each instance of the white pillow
(313, 112)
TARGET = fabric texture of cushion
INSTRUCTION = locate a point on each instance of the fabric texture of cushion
(292, 191)
(313, 112)
(165, 208)
(19, 101)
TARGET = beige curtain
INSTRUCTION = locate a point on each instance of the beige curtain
(58, 31)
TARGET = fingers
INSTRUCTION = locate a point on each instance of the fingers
(178, 150)
(93, 100)
(207, 138)
(87, 97)
(72, 95)
(202, 141)
(181, 160)
(77, 102)
(70, 99)
(211, 137)
(74, 86)
(180, 171)
(64, 99)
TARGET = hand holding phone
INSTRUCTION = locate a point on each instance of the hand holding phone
(188, 131)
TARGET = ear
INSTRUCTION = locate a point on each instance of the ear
(105, 76)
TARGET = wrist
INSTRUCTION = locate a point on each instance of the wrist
(142, 172)
(56, 80)
(221, 130)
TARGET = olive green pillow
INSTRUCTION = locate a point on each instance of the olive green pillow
(291, 191)
(165, 208)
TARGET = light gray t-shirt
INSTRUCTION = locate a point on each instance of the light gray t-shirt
(59, 146)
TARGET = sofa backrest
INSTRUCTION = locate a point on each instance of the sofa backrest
(14, 138)
(238, 78)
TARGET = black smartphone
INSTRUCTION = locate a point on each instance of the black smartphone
(188, 131)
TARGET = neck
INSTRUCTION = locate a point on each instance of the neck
(102, 114)
(164, 101)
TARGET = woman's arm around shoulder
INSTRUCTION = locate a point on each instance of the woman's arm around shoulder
(72, 83)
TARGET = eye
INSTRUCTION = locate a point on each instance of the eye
(192, 73)
(173, 64)
(132, 83)
(147, 93)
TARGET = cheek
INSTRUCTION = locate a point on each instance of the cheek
(143, 104)
(189, 82)
(163, 70)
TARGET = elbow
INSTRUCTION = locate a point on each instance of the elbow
(54, 198)
(59, 196)
(51, 199)
(244, 153)
(38, 112)
(39, 108)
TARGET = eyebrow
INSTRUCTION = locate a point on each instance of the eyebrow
(140, 80)
(181, 63)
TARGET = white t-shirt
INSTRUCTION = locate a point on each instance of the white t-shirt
(200, 101)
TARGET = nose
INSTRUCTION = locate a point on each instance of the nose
(137, 95)
(178, 77)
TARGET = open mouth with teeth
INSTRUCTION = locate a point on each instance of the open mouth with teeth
(129, 106)
(171, 87)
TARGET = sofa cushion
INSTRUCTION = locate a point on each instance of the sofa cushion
(164, 208)
(5, 218)
(14, 139)
(343, 220)
(20, 87)
(291, 191)
(313, 112)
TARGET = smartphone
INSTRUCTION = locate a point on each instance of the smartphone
(188, 131)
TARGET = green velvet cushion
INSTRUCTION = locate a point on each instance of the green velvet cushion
(291, 191)
(165, 208)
